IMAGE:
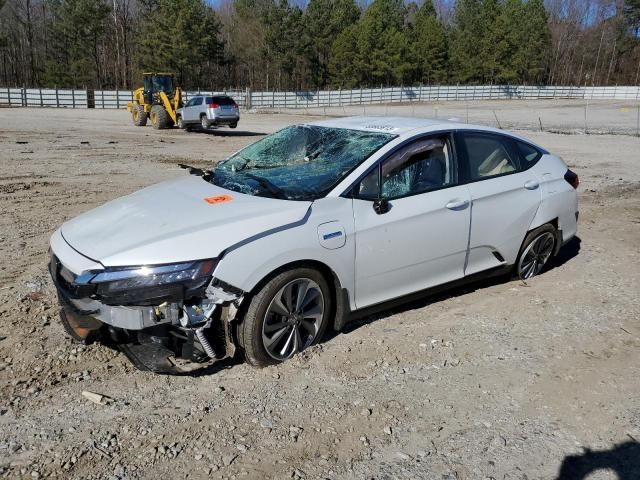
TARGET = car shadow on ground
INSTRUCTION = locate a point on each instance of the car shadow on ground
(227, 132)
(427, 297)
(622, 459)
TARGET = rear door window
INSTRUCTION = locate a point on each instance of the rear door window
(488, 155)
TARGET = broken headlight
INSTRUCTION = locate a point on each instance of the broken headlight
(152, 284)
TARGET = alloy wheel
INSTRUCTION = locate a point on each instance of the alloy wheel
(536, 255)
(293, 319)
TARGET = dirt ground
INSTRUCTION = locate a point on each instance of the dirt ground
(498, 380)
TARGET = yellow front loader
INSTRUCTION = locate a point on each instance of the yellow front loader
(158, 100)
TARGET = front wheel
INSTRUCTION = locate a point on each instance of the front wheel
(288, 314)
(536, 251)
(160, 118)
(180, 122)
(139, 116)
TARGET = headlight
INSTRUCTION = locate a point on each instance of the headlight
(140, 285)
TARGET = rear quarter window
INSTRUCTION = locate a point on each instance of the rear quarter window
(529, 155)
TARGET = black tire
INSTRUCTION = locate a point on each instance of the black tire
(204, 122)
(250, 330)
(160, 117)
(180, 122)
(547, 236)
(139, 116)
(233, 125)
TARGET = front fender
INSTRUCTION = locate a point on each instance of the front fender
(245, 265)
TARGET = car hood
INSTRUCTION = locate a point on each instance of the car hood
(172, 222)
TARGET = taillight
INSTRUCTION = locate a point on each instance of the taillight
(213, 105)
(572, 178)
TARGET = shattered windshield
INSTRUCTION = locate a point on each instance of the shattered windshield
(301, 162)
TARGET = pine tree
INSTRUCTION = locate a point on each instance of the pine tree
(325, 20)
(379, 31)
(180, 36)
(509, 62)
(76, 32)
(342, 65)
(428, 46)
(465, 49)
(536, 42)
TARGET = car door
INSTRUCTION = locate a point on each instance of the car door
(186, 110)
(190, 110)
(411, 222)
(504, 198)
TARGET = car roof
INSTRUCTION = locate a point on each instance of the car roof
(397, 125)
(409, 126)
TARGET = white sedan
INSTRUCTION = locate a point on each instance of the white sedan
(287, 237)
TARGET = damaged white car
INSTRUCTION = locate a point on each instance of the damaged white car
(287, 237)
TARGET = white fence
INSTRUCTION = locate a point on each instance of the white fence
(40, 97)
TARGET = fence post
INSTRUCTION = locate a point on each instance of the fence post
(9, 95)
(73, 98)
(23, 96)
(117, 99)
(57, 98)
(41, 104)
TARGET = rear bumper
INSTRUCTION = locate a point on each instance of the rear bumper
(218, 119)
(225, 120)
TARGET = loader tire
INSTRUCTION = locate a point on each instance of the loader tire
(139, 116)
(160, 118)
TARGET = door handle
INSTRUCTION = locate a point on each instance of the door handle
(531, 185)
(457, 204)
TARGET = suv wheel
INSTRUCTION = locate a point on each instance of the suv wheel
(287, 315)
(180, 122)
(204, 121)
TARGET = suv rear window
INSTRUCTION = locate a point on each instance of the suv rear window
(220, 100)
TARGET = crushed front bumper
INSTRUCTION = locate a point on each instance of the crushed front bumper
(154, 338)
(128, 318)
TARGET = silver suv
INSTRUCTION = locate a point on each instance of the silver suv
(206, 111)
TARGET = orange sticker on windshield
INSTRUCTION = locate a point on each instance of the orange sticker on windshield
(218, 199)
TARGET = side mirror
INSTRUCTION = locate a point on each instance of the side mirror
(381, 206)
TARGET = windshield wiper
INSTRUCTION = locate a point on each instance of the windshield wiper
(274, 190)
(199, 172)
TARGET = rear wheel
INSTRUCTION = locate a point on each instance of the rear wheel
(139, 116)
(180, 122)
(204, 121)
(536, 251)
(288, 314)
(233, 125)
(160, 117)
